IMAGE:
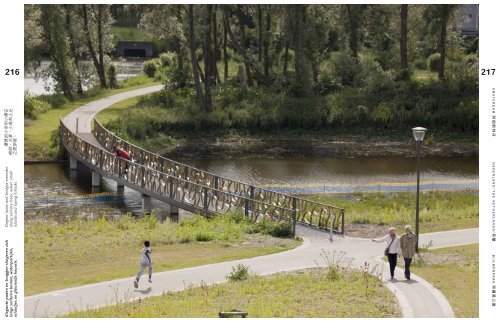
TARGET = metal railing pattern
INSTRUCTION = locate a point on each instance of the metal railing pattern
(307, 212)
(205, 199)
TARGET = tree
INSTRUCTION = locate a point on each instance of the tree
(33, 36)
(54, 33)
(194, 63)
(438, 16)
(96, 26)
(73, 45)
(353, 19)
(403, 39)
(297, 27)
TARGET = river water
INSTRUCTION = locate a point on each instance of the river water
(38, 86)
(51, 190)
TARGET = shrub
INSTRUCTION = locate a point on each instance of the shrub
(55, 100)
(433, 62)
(112, 81)
(282, 230)
(204, 237)
(34, 107)
(420, 63)
(151, 67)
(238, 273)
(345, 68)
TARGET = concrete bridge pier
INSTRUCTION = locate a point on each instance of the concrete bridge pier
(96, 179)
(172, 210)
(146, 204)
(73, 162)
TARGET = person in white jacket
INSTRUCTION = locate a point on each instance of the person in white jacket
(145, 262)
(394, 246)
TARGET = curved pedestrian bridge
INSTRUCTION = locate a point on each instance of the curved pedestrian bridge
(188, 188)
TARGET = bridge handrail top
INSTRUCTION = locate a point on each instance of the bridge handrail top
(197, 169)
(177, 178)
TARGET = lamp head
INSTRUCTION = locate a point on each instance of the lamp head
(419, 133)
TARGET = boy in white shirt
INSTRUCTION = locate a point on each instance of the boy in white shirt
(145, 262)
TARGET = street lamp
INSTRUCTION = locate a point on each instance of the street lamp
(418, 134)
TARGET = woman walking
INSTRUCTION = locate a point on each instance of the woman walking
(408, 246)
(392, 250)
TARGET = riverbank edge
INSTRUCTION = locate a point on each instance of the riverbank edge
(299, 147)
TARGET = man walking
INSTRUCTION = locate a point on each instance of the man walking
(408, 244)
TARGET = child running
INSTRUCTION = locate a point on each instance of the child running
(145, 262)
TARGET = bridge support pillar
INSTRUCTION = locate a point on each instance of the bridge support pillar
(96, 179)
(172, 210)
(146, 204)
(73, 162)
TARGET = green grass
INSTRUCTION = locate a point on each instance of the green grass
(37, 133)
(439, 210)
(297, 294)
(79, 251)
(422, 75)
(457, 277)
(130, 33)
(116, 110)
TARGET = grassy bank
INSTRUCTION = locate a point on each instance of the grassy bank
(455, 272)
(298, 294)
(78, 252)
(439, 210)
(37, 133)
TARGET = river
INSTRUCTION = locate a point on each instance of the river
(38, 86)
(51, 190)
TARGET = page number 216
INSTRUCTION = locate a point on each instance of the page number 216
(11, 71)
(488, 71)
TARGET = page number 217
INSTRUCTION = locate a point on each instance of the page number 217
(488, 71)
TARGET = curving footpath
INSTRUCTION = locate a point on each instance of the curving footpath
(417, 298)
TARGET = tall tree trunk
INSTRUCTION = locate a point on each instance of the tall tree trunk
(243, 46)
(194, 62)
(178, 47)
(216, 46)
(286, 58)
(259, 16)
(72, 48)
(90, 45)
(100, 40)
(208, 57)
(353, 32)
(224, 48)
(241, 50)
(442, 44)
(266, 42)
(403, 40)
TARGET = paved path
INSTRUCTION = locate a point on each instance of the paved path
(416, 297)
(86, 113)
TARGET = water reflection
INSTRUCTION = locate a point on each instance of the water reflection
(52, 190)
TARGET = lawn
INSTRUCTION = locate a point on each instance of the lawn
(117, 109)
(310, 293)
(37, 133)
(439, 210)
(80, 251)
(455, 272)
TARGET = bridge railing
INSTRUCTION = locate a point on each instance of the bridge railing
(308, 212)
(203, 198)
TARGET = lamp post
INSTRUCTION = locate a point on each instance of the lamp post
(418, 134)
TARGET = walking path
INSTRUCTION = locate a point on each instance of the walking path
(86, 113)
(417, 297)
